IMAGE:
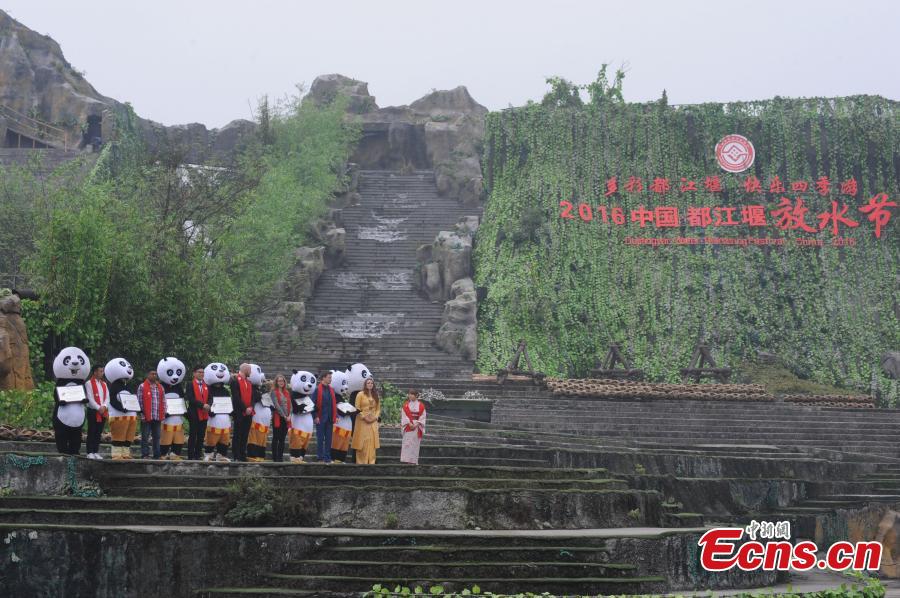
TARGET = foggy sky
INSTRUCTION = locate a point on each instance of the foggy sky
(208, 61)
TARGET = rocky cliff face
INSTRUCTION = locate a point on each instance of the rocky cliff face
(37, 81)
(443, 130)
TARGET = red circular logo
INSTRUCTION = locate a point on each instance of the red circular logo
(735, 153)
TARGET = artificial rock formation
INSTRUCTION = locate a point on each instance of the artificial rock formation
(890, 364)
(445, 271)
(15, 368)
(443, 130)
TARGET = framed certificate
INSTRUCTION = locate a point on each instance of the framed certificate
(70, 394)
(266, 400)
(221, 405)
(176, 406)
(130, 401)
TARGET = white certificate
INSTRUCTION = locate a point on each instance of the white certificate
(221, 405)
(267, 400)
(130, 401)
(70, 394)
(176, 406)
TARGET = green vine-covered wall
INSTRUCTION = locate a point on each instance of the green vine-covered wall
(569, 287)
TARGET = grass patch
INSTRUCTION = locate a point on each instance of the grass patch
(778, 380)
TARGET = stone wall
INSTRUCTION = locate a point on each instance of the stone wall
(137, 563)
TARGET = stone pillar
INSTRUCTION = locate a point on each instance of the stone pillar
(15, 367)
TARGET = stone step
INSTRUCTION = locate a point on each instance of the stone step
(449, 569)
(100, 516)
(495, 583)
(468, 553)
(135, 504)
(363, 483)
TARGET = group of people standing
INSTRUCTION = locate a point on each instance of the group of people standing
(224, 408)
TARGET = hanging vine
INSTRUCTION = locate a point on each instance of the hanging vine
(571, 286)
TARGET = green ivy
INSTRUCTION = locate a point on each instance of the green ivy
(569, 287)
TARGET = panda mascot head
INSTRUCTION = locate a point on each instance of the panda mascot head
(357, 374)
(339, 383)
(302, 382)
(256, 376)
(117, 369)
(216, 373)
(71, 365)
(171, 371)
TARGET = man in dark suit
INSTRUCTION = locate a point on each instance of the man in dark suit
(324, 416)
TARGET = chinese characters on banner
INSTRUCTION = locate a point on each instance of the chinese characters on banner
(788, 213)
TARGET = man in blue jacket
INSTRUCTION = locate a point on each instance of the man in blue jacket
(324, 416)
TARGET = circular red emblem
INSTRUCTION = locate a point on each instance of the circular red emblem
(735, 153)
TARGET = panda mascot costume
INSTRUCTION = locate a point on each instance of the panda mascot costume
(122, 421)
(343, 426)
(171, 372)
(262, 417)
(218, 428)
(70, 368)
(302, 426)
(357, 374)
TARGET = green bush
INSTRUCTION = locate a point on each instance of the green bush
(32, 409)
(256, 501)
(148, 257)
(392, 399)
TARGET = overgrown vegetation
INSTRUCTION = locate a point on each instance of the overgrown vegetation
(862, 586)
(149, 256)
(256, 501)
(779, 380)
(392, 399)
(31, 409)
(570, 287)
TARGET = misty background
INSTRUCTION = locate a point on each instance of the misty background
(208, 61)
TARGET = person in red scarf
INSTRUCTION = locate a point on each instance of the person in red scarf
(281, 416)
(324, 416)
(98, 410)
(153, 411)
(197, 396)
(243, 396)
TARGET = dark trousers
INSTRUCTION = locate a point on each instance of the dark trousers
(151, 428)
(241, 434)
(68, 438)
(323, 441)
(195, 438)
(278, 436)
(95, 429)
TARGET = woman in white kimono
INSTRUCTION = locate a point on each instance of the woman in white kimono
(412, 425)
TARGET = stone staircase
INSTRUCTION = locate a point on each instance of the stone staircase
(368, 310)
(565, 513)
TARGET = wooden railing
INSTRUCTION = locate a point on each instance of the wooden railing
(34, 128)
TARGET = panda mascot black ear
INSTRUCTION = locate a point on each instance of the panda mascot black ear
(295, 371)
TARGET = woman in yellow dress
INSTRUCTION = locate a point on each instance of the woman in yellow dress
(365, 434)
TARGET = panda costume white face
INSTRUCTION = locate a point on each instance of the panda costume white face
(170, 370)
(256, 376)
(357, 374)
(216, 373)
(118, 369)
(303, 382)
(339, 383)
(71, 364)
